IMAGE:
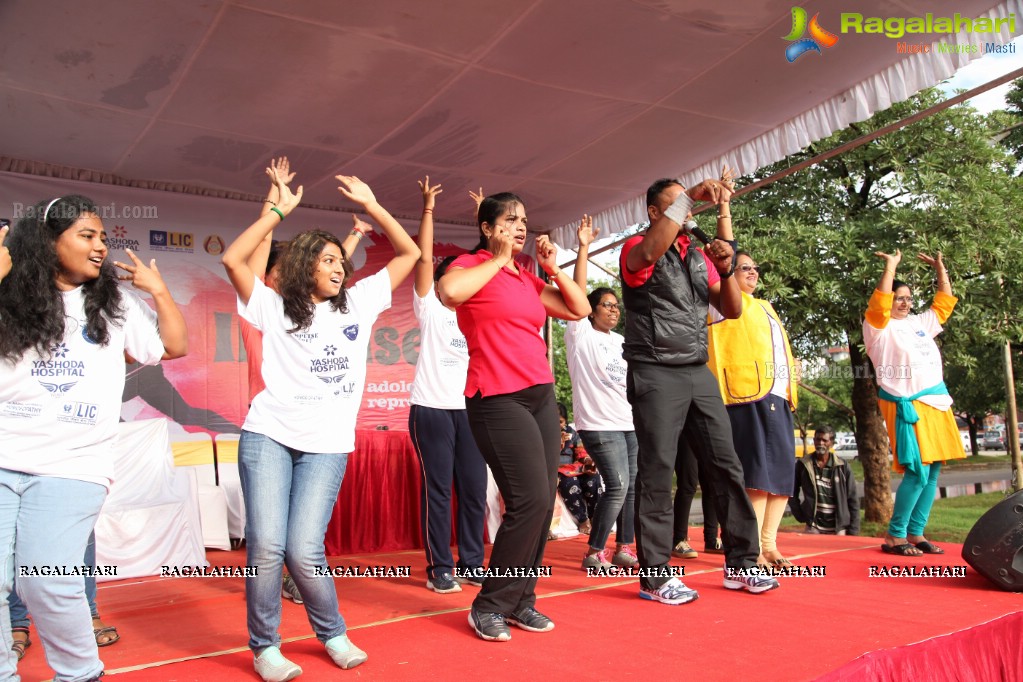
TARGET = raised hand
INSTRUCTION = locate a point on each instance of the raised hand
(283, 168)
(429, 193)
(714, 191)
(728, 177)
(935, 261)
(144, 278)
(355, 189)
(478, 198)
(892, 260)
(586, 232)
(360, 225)
(287, 200)
(5, 254)
(546, 253)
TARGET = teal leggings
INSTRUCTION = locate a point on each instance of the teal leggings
(913, 502)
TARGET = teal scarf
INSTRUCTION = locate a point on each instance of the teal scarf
(905, 436)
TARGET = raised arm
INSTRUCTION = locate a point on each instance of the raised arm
(424, 266)
(173, 331)
(665, 225)
(406, 253)
(5, 254)
(236, 257)
(586, 235)
(564, 299)
(725, 295)
(259, 257)
(360, 228)
(944, 285)
(891, 261)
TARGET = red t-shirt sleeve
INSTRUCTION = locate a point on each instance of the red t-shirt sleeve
(638, 278)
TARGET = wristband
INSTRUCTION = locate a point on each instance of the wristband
(554, 275)
(427, 210)
(267, 201)
(356, 234)
(678, 211)
(278, 212)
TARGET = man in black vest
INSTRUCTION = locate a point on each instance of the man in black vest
(667, 286)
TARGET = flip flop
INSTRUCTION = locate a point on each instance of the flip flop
(927, 548)
(109, 631)
(904, 549)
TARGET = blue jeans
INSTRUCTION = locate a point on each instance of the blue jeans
(913, 501)
(19, 612)
(289, 496)
(614, 453)
(45, 522)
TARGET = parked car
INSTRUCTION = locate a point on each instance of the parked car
(993, 440)
(846, 449)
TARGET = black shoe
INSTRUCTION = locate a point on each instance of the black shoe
(470, 576)
(489, 626)
(443, 583)
(530, 619)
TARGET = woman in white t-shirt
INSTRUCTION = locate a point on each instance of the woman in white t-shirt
(65, 326)
(438, 425)
(299, 430)
(603, 415)
(912, 396)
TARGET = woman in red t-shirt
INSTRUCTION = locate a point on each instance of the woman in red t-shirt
(509, 391)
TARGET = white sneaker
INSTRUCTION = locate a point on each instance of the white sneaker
(273, 667)
(344, 652)
(672, 593)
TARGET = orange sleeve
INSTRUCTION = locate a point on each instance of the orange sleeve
(879, 310)
(942, 305)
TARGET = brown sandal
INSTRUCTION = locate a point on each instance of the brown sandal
(19, 645)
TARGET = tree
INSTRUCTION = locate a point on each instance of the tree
(936, 185)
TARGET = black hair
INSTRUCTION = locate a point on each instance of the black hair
(276, 249)
(295, 277)
(32, 311)
(490, 209)
(898, 284)
(823, 429)
(654, 190)
(594, 296)
(563, 411)
(442, 267)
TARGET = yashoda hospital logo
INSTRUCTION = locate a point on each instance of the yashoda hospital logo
(800, 26)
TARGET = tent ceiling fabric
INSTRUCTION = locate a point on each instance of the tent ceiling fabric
(575, 105)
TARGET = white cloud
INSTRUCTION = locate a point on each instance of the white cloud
(983, 70)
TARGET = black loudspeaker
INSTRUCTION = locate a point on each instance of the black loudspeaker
(994, 546)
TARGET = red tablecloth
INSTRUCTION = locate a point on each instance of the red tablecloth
(378, 507)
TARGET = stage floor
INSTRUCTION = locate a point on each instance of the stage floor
(194, 628)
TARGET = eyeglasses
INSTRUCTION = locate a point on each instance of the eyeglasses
(903, 299)
(747, 268)
(608, 305)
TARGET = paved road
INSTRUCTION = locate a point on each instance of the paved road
(949, 478)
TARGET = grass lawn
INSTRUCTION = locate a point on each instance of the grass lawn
(951, 519)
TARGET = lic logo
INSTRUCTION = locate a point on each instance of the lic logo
(800, 45)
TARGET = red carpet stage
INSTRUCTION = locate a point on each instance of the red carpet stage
(846, 625)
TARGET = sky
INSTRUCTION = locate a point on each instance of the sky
(977, 72)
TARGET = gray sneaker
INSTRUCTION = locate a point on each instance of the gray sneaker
(344, 653)
(289, 590)
(672, 593)
(753, 580)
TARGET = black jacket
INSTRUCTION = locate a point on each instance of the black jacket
(803, 502)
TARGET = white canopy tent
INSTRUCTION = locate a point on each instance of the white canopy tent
(575, 105)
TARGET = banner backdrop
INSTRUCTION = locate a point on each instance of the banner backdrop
(207, 390)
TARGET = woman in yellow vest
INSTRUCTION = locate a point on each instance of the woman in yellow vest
(756, 373)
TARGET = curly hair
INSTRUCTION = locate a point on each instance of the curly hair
(32, 314)
(295, 282)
